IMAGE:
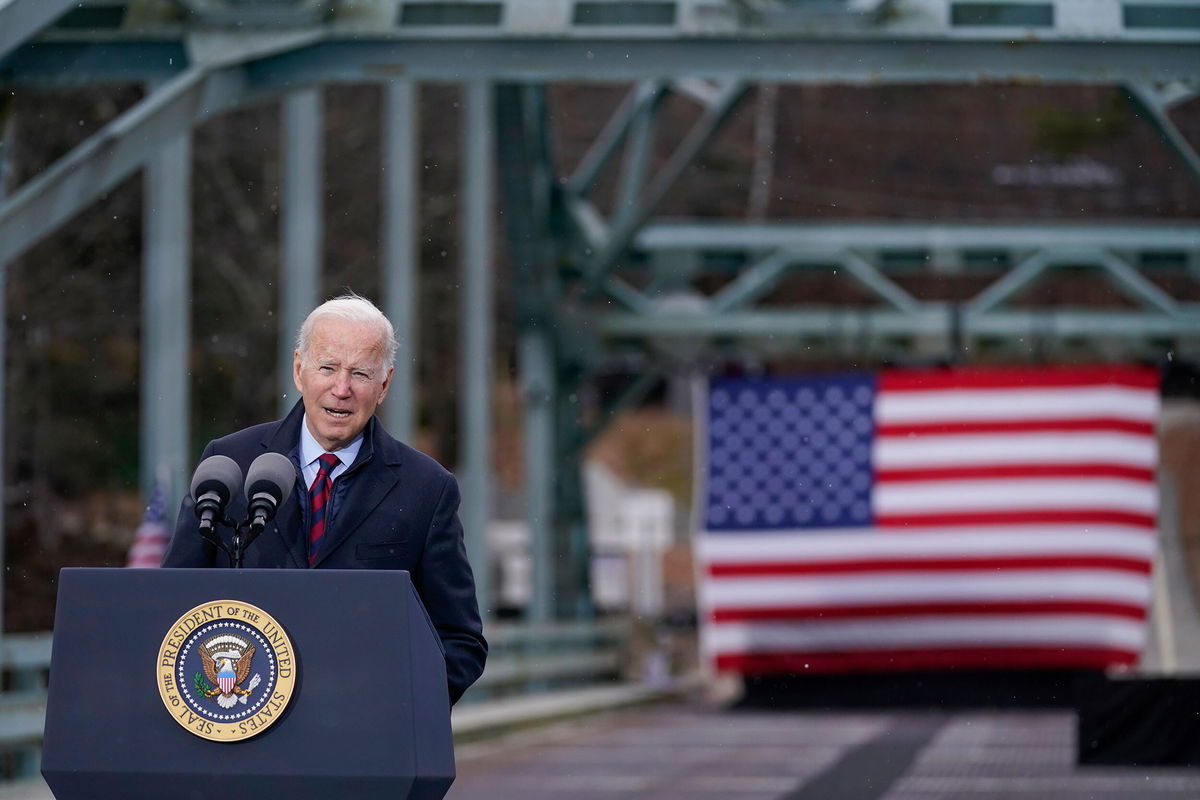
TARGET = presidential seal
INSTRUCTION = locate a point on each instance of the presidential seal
(226, 670)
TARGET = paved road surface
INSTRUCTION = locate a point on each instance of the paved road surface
(695, 753)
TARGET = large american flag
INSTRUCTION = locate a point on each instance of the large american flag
(927, 519)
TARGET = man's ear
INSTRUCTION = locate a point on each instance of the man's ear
(296, 364)
(387, 383)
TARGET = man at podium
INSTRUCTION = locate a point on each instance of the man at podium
(367, 501)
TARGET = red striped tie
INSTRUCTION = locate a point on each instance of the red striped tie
(318, 496)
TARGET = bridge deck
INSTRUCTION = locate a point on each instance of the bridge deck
(688, 753)
(697, 752)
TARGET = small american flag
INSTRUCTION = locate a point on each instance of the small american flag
(150, 539)
(928, 519)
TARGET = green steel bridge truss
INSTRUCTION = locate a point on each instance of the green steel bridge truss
(595, 286)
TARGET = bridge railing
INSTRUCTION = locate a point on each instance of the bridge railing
(25, 662)
(525, 658)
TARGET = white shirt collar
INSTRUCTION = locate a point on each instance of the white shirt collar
(310, 451)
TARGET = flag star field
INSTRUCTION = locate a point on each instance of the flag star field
(909, 519)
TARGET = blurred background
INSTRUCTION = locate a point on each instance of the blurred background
(577, 214)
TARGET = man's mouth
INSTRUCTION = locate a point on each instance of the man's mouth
(337, 413)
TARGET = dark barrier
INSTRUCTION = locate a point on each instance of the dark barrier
(1127, 721)
(1139, 721)
(914, 690)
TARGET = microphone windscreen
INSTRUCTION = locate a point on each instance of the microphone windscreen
(219, 474)
(272, 473)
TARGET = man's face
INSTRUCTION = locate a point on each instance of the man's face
(341, 379)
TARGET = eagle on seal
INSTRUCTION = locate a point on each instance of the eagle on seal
(227, 668)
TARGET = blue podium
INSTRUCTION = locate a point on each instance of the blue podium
(247, 684)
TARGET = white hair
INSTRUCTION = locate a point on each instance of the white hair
(352, 308)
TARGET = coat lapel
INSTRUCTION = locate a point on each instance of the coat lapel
(370, 484)
(288, 526)
(288, 530)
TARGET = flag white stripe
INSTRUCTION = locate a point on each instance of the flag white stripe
(909, 586)
(1103, 540)
(975, 405)
(933, 450)
(983, 495)
(1065, 630)
(897, 578)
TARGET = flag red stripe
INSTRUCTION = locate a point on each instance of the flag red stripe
(1000, 378)
(902, 564)
(1003, 608)
(1016, 471)
(1039, 623)
(894, 522)
(1074, 425)
(925, 658)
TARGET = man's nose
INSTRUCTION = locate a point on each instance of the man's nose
(341, 384)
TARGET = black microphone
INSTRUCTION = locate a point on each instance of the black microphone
(268, 481)
(214, 484)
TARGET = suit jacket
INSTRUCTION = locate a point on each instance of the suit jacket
(393, 508)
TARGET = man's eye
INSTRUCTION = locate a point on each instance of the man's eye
(362, 376)
(325, 368)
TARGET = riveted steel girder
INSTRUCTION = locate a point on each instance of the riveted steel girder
(107, 157)
(813, 61)
(562, 329)
(21, 20)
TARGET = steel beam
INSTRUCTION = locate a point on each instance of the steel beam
(782, 325)
(7, 132)
(529, 186)
(877, 283)
(589, 223)
(808, 236)
(638, 145)
(1152, 108)
(109, 156)
(629, 219)
(1135, 285)
(538, 399)
(475, 320)
(1021, 276)
(855, 62)
(804, 60)
(784, 20)
(400, 249)
(531, 202)
(760, 278)
(166, 319)
(627, 296)
(640, 100)
(63, 64)
(766, 113)
(915, 44)
(21, 20)
(754, 281)
(302, 224)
